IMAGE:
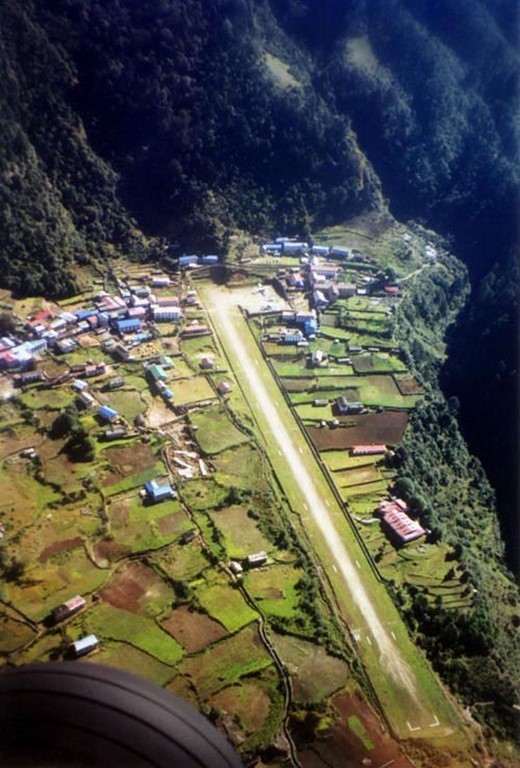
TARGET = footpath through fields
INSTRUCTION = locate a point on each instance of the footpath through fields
(408, 691)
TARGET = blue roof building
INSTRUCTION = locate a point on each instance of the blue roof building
(106, 413)
(82, 314)
(310, 327)
(158, 492)
(184, 261)
(130, 325)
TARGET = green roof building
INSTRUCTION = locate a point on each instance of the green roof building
(157, 372)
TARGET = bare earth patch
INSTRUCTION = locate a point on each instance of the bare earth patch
(59, 546)
(387, 428)
(132, 588)
(342, 746)
(247, 700)
(168, 524)
(158, 414)
(128, 460)
(107, 552)
(408, 386)
(192, 629)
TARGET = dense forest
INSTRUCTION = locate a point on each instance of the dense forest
(175, 97)
(129, 125)
(477, 652)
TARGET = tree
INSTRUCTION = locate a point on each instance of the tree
(7, 324)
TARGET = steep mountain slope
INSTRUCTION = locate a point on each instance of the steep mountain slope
(58, 202)
(180, 98)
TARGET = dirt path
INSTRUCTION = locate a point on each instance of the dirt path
(232, 328)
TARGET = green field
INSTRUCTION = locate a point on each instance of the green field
(357, 475)
(242, 655)
(200, 494)
(138, 528)
(122, 655)
(48, 399)
(182, 562)
(336, 460)
(225, 604)
(143, 633)
(198, 347)
(241, 535)
(274, 589)
(315, 674)
(129, 403)
(192, 390)
(47, 585)
(241, 467)
(376, 486)
(215, 430)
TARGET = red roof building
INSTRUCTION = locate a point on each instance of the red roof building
(367, 450)
(397, 523)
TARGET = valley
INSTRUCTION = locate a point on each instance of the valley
(208, 405)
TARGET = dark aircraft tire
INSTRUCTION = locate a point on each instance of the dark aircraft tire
(83, 714)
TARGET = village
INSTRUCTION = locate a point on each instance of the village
(319, 281)
(156, 482)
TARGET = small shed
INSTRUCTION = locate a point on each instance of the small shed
(345, 407)
(115, 383)
(156, 492)
(256, 559)
(107, 414)
(68, 608)
(83, 646)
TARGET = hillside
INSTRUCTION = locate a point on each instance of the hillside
(59, 204)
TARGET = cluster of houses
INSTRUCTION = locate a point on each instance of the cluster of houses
(319, 277)
(123, 321)
(290, 246)
(126, 316)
